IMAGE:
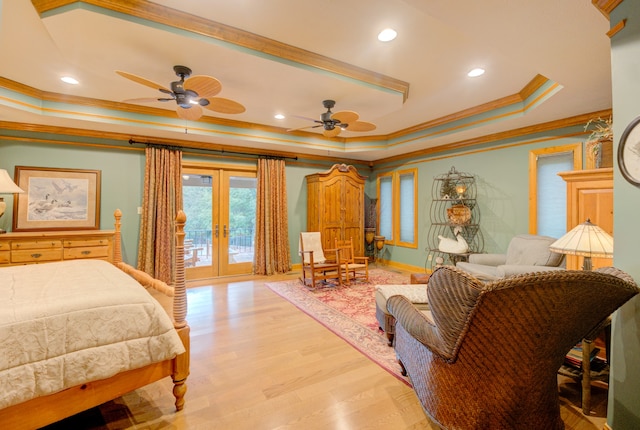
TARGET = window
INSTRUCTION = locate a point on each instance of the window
(397, 210)
(548, 191)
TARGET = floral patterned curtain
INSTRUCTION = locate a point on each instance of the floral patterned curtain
(161, 202)
(271, 254)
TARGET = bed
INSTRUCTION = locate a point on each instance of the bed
(75, 334)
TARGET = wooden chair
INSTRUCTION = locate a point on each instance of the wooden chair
(352, 267)
(190, 253)
(315, 265)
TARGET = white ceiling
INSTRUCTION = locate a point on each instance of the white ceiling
(439, 41)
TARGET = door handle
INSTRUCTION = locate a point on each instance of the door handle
(224, 231)
(216, 231)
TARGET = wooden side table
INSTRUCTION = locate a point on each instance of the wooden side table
(585, 374)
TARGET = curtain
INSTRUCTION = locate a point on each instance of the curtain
(161, 201)
(271, 254)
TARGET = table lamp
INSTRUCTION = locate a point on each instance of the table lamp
(7, 186)
(587, 240)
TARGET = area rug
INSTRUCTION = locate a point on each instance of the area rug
(348, 311)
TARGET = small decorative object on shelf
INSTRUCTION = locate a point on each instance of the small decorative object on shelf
(455, 219)
(599, 144)
(459, 214)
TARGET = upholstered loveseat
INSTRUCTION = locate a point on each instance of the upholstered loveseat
(526, 253)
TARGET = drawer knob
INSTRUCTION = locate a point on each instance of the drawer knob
(36, 255)
(86, 252)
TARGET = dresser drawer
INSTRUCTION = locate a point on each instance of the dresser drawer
(36, 254)
(5, 257)
(36, 244)
(84, 243)
(86, 252)
(5, 246)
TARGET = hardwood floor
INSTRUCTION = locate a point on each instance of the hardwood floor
(259, 363)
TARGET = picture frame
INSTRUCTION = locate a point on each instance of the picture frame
(629, 152)
(56, 199)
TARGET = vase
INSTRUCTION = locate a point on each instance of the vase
(369, 234)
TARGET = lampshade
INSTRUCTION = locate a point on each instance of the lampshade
(587, 240)
(7, 186)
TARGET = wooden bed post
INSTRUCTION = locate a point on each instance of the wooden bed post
(117, 247)
(180, 294)
(181, 363)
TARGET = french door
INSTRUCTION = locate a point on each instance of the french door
(220, 204)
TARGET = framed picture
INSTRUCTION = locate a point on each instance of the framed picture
(629, 153)
(56, 199)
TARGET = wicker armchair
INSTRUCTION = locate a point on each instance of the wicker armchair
(491, 355)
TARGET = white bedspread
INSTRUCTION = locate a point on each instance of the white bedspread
(67, 323)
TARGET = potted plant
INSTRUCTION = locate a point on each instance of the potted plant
(599, 142)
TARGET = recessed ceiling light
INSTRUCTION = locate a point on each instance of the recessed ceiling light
(279, 116)
(387, 35)
(475, 72)
(69, 80)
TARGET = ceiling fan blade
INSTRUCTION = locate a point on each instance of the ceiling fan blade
(346, 116)
(205, 86)
(143, 81)
(361, 126)
(332, 133)
(304, 128)
(191, 114)
(220, 105)
(306, 117)
(145, 100)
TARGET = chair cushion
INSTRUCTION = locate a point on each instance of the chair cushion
(480, 271)
(312, 242)
(530, 250)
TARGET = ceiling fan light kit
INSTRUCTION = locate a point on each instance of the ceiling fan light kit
(333, 123)
(191, 94)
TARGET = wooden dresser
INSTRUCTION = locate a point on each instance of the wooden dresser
(335, 206)
(47, 246)
(589, 195)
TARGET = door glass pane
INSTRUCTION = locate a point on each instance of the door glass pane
(242, 218)
(197, 198)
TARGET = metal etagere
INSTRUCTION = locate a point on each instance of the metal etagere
(453, 205)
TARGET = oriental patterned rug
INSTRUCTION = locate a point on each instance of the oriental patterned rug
(348, 311)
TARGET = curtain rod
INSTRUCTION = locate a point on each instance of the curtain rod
(221, 151)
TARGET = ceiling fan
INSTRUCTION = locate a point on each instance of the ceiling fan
(191, 94)
(334, 123)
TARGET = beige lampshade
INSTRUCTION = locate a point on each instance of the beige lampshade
(587, 240)
(7, 186)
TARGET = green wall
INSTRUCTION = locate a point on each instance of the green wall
(502, 192)
(122, 172)
(624, 380)
(502, 181)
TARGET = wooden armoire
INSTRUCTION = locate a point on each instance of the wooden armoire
(335, 206)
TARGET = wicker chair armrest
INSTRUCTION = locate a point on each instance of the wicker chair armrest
(361, 259)
(453, 296)
(614, 271)
(417, 325)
